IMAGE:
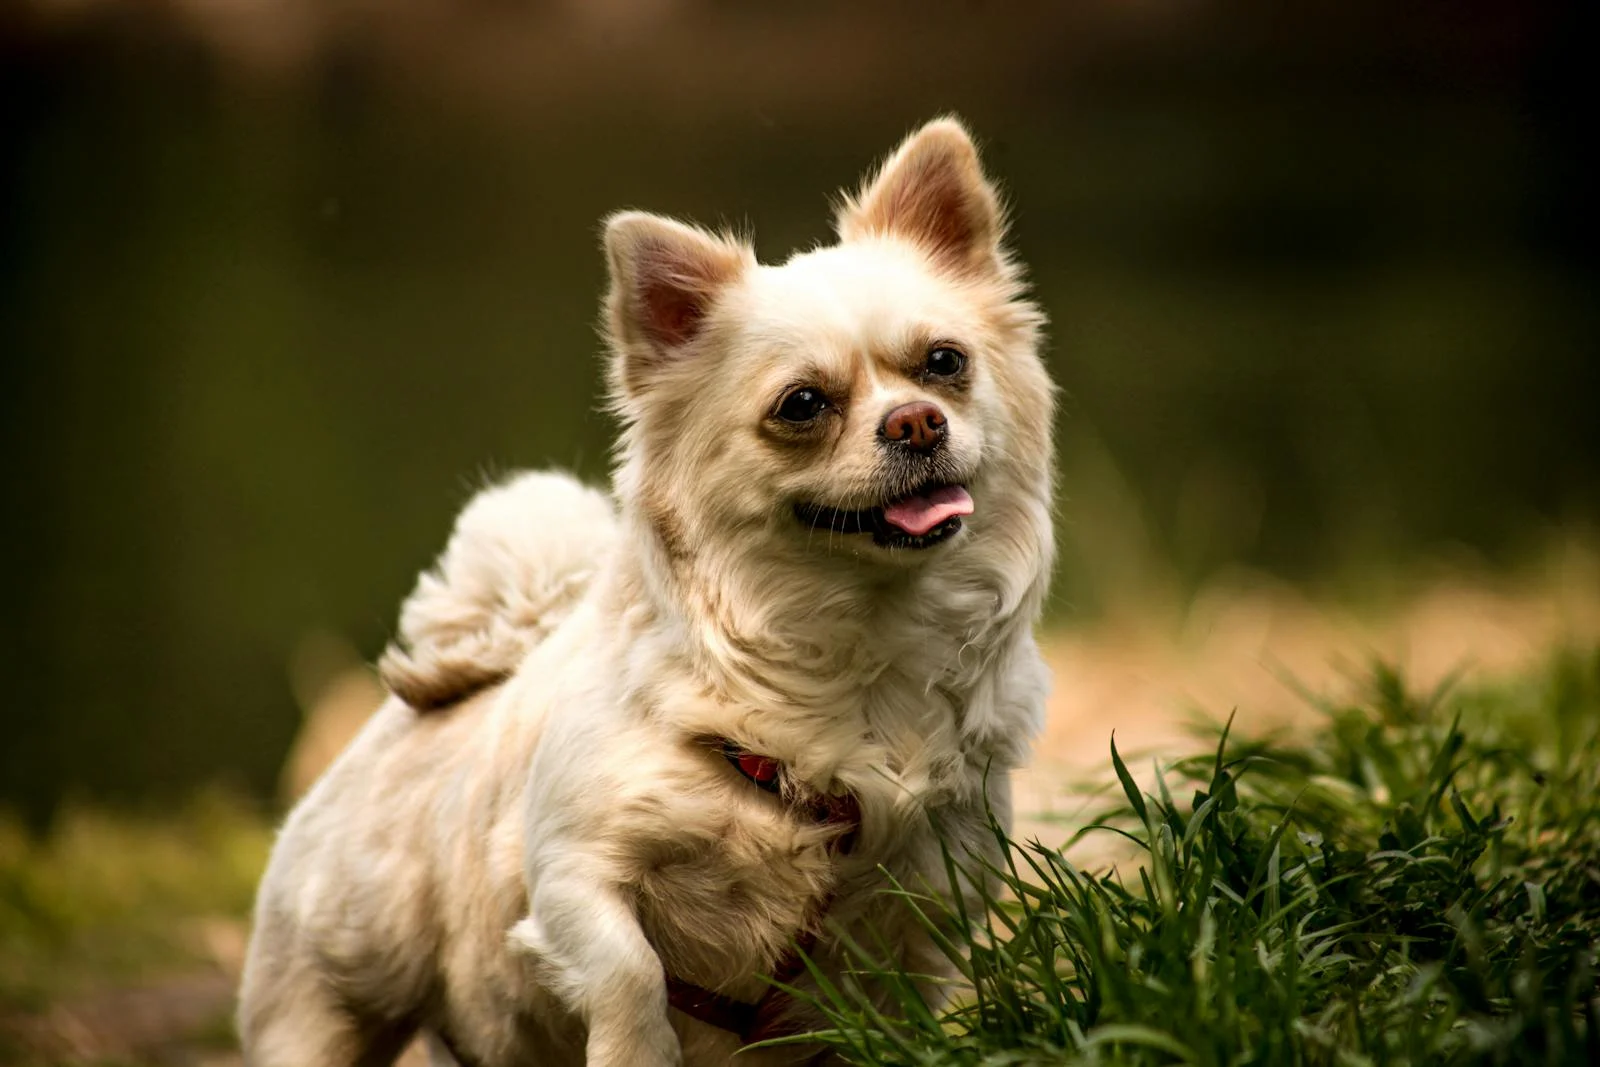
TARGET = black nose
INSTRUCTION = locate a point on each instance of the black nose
(919, 426)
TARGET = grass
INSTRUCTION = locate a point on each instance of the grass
(1416, 881)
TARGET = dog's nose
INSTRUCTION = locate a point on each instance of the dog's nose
(919, 426)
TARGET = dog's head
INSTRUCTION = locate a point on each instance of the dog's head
(880, 400)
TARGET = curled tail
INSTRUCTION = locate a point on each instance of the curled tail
(520, 557)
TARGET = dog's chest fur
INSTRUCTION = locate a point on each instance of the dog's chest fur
(727, 875)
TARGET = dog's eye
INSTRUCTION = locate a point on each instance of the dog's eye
(802, 405)
(944, 362)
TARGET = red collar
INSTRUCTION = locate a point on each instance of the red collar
(767, 774)
(764, 771)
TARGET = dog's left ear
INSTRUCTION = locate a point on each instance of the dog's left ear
(665, 279)
(932, 192)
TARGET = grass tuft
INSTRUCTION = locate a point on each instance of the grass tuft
(1415, 881)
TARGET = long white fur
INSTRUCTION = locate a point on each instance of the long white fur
(517, 872)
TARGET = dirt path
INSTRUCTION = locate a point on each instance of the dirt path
(159, 1023)
(184, 1021)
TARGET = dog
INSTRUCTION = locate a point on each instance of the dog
(646, 749)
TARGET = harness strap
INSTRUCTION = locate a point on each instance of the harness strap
(761, 1020)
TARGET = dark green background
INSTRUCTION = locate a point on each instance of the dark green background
(1322, 284)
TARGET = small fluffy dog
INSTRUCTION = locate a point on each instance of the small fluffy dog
(644, 749)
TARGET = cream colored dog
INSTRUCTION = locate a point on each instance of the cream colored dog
(639, 751)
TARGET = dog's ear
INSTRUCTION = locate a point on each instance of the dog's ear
(932, 192)
(665, 277)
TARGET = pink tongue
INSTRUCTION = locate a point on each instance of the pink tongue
(918, 514)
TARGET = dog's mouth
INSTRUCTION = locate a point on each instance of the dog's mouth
(928, 516)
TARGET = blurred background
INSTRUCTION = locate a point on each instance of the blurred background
(283, 281)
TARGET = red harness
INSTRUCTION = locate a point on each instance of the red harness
(759, 1021)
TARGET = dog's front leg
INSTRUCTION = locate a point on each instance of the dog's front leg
(583, 931)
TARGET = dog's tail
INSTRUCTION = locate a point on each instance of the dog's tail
(520, 557)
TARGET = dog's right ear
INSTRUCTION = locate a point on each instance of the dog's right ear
(665, 279)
